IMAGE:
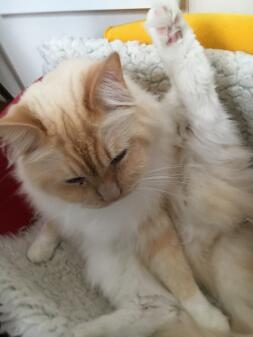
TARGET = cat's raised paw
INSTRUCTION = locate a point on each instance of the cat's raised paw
(164, 22)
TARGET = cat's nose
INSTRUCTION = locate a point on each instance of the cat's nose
(109, 191)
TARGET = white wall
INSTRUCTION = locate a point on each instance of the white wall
(25, 24)
(22, 34)
(225, 6)
(7, 77)
(10, 7)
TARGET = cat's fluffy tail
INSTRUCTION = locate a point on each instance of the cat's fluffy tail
(184, 326)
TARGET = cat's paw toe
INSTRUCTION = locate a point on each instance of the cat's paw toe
(218, 321)
(164, 21)
(40, 252)
(162, 14)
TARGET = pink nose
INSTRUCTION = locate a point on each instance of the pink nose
(109, 191)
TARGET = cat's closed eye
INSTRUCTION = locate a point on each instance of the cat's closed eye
(82, 180)
(76, 181)
(119, 157)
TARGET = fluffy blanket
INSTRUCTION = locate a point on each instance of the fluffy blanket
(234, 71)
(47, 300)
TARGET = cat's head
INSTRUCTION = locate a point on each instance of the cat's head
(80, 134)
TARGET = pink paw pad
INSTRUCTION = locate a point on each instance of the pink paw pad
(175, 37)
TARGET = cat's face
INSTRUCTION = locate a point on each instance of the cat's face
(79, 134)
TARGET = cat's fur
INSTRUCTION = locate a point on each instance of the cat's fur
(185, 168)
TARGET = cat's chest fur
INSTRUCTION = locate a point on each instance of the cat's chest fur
(105, 237)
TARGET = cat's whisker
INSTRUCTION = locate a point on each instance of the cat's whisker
(154, 190)
(164, 174)
(163, 177)
(163, 181)
(166, 168)
(151, 185)
(169, 181)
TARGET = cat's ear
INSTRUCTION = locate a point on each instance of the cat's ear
(106, 89)
(21, 130)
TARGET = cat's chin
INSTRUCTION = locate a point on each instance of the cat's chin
(102, 205)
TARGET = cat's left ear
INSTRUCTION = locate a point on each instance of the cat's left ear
(21, 129)
(106, 89)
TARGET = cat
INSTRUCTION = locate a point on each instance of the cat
(141, 186)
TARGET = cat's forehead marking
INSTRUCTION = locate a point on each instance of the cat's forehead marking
(87, 145)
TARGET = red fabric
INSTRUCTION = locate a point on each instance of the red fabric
(14, 211)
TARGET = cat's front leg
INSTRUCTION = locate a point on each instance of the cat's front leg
(184, 60)
(192, 77)
(45, 244)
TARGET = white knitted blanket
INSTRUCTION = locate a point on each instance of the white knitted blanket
(49, 299)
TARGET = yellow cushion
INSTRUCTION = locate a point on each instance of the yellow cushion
(218, 31)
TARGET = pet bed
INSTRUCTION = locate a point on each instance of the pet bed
(49, 299)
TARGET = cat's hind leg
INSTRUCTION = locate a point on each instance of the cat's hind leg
(164, 255)
(147, 317)
(148, 321)
(233, 272)
(141, 317)
(143, 306)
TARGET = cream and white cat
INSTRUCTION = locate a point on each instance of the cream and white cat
(119, 172)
